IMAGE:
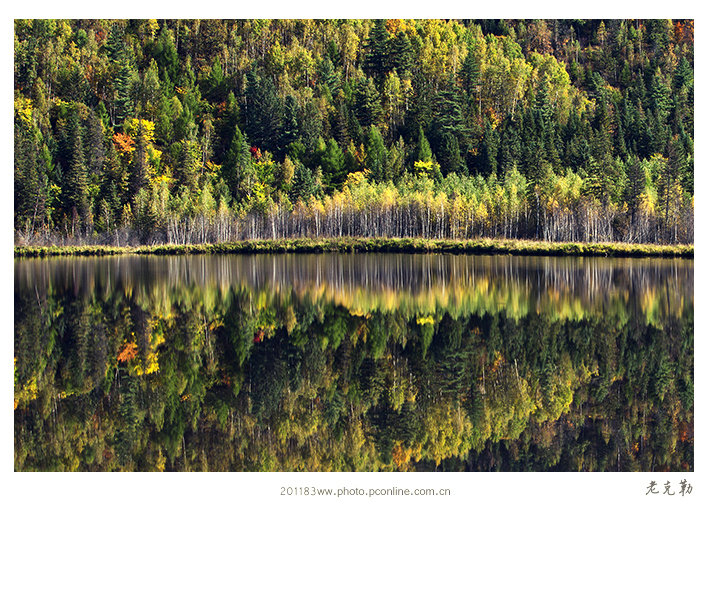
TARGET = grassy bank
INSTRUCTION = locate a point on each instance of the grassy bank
(408, 245)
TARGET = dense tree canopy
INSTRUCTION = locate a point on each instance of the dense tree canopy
(202, 130)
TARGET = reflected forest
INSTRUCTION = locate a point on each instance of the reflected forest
(353, 363)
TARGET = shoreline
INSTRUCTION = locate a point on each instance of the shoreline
(352, 245)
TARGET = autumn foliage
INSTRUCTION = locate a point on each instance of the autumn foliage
(127, 352)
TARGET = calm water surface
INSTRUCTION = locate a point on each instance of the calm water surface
(353, 362)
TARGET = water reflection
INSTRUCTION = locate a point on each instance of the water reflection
(561, 286)
(353, 362)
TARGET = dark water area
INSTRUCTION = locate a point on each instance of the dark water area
(359, 362)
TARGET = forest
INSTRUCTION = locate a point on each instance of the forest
(152, 131)
(131, 365)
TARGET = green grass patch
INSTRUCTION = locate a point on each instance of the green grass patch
(406, 245)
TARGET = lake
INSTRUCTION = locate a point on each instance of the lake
(353, 362)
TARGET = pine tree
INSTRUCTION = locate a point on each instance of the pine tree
(510, 150)
(470, 75)
(327, 77)
(94, 147)
(290, 131)
(333, 165)
(422, 151)
(488, 150)
(376, 60)
(396, 159)
(619, 135)
(368, 104)
(635, 186)
(237, 169)
(449, 155)
(76, 184)
(401, 54)
(448, 117)
(139, 163)
(341, 125)
(304, 184)
(188, 163)
(124, 76)
(30, 180)
(115, 44)
(264, 113)
(376, 154)
(661, 97)
(671, 187)
(684, 75)
(165, 54)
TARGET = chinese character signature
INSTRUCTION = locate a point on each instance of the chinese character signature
(685, 488)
